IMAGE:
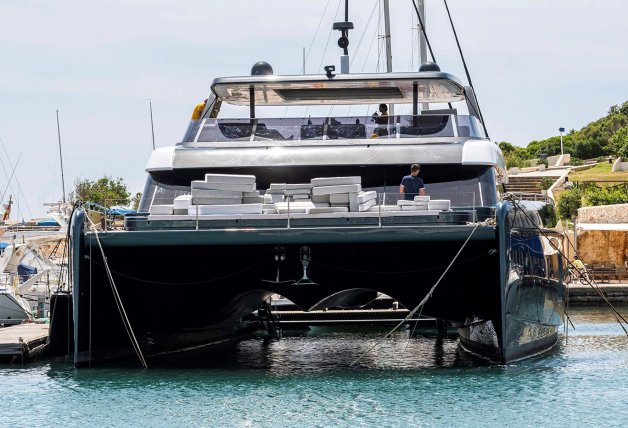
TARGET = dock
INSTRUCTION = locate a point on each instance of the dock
(583, 294)
(23, 342)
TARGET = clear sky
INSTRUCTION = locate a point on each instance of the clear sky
(536, 65)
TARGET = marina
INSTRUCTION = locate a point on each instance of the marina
(336, 214)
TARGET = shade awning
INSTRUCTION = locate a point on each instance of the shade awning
(389, 88)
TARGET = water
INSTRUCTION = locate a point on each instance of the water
(308, 380)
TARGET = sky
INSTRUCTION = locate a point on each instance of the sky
(536, 65)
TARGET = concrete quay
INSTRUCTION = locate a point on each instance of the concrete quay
(584, 294)
(23, 342)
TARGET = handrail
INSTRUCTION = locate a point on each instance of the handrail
(459, 214)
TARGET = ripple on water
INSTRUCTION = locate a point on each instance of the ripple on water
(309, 380)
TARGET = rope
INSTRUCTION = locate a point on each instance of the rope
(427, 40)
(366, 26)
(422, 303)
(123, 315)
(618, 316)
(328, 38)
(316, 33)
(466, 70)
(429, 46)
(401, 272)
(204, 281)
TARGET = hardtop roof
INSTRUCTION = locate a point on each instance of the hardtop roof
(393, 88)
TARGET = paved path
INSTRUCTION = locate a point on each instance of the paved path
(550, 172)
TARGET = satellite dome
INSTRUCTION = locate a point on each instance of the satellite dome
(261, 68)
(429, 66)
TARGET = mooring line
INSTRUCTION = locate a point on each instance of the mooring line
(118, 300)
(420, 305)
(621, 320)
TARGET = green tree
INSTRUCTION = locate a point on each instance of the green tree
(603, 137)
(104, 191)
(514, 156)
(569, 203)
(618, 143)
(135, 202)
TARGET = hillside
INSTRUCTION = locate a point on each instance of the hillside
(601, 138)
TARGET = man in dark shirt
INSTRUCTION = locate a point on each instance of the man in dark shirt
(412, 185)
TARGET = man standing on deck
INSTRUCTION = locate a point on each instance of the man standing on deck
(198, 110)
(412, 185)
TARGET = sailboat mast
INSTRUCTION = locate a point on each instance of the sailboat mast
(391, 110)
(61, 158)
(422, 43)
(387, 36)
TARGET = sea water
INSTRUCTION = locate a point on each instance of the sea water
(338, 377)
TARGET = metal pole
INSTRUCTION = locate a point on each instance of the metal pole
(252, 102)
(422, 42)
(152, 128)
(61, 158)
(303, 59)
(575, 236)
(391, 110)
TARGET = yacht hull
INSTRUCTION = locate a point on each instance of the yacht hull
(228, 273)
(13, 309)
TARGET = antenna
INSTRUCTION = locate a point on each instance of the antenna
(152, 129)
(343, 41)
(61, 159)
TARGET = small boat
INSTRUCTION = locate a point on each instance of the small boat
(26, 281)
(14, 309)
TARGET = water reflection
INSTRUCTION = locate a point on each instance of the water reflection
(307, 379)
(328, 350)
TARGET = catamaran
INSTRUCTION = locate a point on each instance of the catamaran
(309, 208)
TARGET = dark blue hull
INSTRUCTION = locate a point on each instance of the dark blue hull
(187, 289)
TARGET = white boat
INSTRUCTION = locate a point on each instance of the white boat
(14, 309)
(60, 213)
(26, 293)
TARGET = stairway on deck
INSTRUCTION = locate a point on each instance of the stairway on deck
(525, 184)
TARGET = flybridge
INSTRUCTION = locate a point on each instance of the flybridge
(393, 88)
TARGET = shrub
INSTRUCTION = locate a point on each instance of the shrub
(515, 162)
(548, 215)
(546, 183)
(575, 161)
(543, 162)
(569, 203)
(596, 196)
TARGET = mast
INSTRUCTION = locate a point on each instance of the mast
(391, 110)
(422, 44)
(61, 158)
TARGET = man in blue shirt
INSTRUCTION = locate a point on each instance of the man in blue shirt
(412, 185)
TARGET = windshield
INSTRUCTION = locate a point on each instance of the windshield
(333, 128)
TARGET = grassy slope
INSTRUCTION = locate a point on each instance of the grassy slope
(600, 172)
